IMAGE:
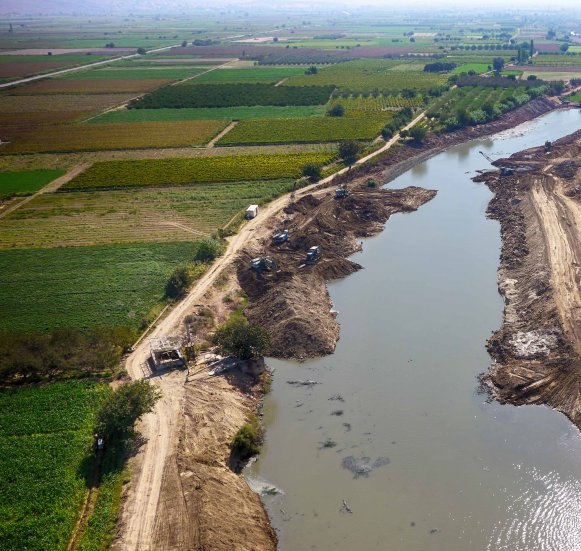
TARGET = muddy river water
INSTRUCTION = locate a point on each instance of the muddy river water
(396, 431)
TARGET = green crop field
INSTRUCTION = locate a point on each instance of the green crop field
(210, 113)
(45, 435)
(115, 285)
(26, 182)
(311, 130)
(575, 97)
(257, 74)
(179, 213)
(141, 73)
(233, 95)
(386, 75)
(370, 104)
(149, 172)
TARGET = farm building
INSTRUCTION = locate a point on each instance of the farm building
(166, 352)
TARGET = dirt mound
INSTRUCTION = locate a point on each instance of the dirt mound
(566, 169)
(290, 299)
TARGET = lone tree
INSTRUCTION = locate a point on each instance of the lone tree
(312, 171)
(418, 133)
(178, 283)
(123, 408)
(141, 51)
(348, 151)
(242, 339)
(498, 64)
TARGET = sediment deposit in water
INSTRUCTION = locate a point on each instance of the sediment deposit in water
(537, 351)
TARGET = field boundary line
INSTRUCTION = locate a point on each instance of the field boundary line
(51, 187)
(221, 134)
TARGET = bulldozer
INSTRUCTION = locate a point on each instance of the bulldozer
(313, 254)
(341, 192)
(280, 237)
(263, 264)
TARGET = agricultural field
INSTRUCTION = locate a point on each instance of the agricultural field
(60, 103)
(257, 74)
(87, 137)
(19, 68)
(84, 86)
(552, 75)
(476, 67)
(312, 130)
(26, 182)
(45, 437)
(165, 172)
(183, 213)
(387, 76)
(362, 104)
(477, 103)
(134, 73)
(83, 287)
(575, 97)
(232, 95)
(210, 113)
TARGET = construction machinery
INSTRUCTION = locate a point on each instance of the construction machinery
(313, 254)
(504, 170)
(263, 264)
(341, 192)
(280, 237)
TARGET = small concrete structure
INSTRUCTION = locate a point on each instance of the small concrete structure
(166, 352)
(251, 212)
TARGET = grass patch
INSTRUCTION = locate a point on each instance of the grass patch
(26, 182)
(134, 215)
(45, 438)
(476, 67)
(311, 130)
(211, 113)
(116, 285)
(120, 174)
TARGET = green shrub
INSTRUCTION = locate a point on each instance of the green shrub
(247, 440)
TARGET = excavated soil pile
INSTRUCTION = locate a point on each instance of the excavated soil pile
(537, 351)
(291, 300)
(223, 513)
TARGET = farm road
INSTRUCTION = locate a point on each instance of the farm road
(160, 428)
(49, 188)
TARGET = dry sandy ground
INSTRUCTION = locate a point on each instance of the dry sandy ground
(537, 352)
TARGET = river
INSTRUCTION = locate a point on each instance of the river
(396, 430)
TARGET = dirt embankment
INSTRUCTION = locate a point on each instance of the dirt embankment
(537, 351)
(204, 505)
(291, 300)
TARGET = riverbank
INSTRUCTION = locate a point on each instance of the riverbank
(196, 487)
(537, 351)
(292, 301)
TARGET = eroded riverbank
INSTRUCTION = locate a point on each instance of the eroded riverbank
(537, 351)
